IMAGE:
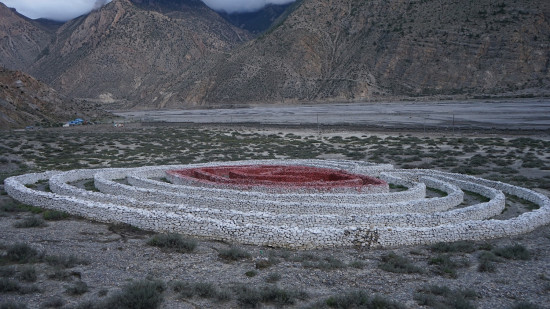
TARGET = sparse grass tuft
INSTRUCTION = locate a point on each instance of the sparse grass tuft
(233, 254)
(325, 263)
(27, 274)
(142, 294)
(7, 271)
(397, 188)
(273, 277)
(252, 297)
(78, 288)
(515, 252)
(10, 207)
(54, 215)
(53, 302)
(398, 264)
(360, 299)
(59, 274)
(21, 253)
(443, 297)
(357, 264)
(446, 266)
(173, 242)
(200, 289)
(65, 261)
(8, 285)
(30, 222)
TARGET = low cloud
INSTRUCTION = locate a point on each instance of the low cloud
(99, 3)
(60, 10)
(233, 6)
(63, 10)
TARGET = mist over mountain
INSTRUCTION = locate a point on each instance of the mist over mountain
(258, 21)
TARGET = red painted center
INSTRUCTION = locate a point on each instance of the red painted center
(284, 176)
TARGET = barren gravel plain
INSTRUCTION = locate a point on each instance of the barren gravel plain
(517, 114)
(51, 260)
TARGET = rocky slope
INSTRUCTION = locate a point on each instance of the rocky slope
(21, 39)
(357, 50)
(145, 54)
(127, 51)
(24, 101)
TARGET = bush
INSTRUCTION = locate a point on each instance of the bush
(398, 264)
(325, 263)
(53, 302)
(8, 285)
(143, 294)
(78, 288)
(21, 253)
(28, 274)
(273, 277)
(12, 305)
(281, 297)
(65, 261)
(173, 242)
(515, 252)
(30, 222)
(357, 264)
(251, 273)
(486, 262)
(360, 299)
(200, 289)
(10, 207)
(251, 297)
(59, 274)
(486, 266)
(54, 215)
(7, 271)
(233, 254)
(446, 266)
(443, 297)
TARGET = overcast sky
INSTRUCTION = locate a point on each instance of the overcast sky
(63, 10)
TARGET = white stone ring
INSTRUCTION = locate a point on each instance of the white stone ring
(302, 217)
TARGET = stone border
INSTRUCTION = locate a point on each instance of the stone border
(381, 224)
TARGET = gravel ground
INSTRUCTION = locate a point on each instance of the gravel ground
(118, 255)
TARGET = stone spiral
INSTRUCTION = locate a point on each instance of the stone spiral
(287, 217)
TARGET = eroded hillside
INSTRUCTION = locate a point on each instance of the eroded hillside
(24, 101)
(357, 50)
(129, 51)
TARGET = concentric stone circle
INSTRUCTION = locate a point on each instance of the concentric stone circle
(293, 218)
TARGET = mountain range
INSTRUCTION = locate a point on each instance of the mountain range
(147, 54)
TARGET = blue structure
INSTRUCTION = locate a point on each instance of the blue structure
(76, 122)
